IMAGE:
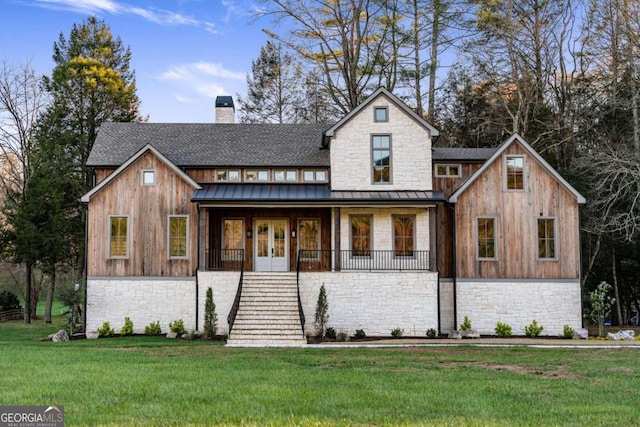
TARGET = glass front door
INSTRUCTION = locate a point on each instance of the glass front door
(271, 245)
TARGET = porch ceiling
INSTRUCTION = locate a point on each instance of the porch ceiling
(307, 194)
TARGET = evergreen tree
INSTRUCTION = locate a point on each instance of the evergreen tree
(91, 83)
(273, 89)
(210, 316)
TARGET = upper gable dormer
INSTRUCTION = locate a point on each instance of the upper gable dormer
(382, 145)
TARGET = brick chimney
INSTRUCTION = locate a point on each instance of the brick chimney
(225, 111)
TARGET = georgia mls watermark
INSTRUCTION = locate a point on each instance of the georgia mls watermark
(31, 416)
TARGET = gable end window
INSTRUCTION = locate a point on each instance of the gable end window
(486, 238)
(380, 114)
(546, 238)
(178, 236)
(381, 159)
(514, 165)
(448, 171)
(148, 177)
(118, 237)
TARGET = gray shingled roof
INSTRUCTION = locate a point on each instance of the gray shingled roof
(206, 145)
(463, 154)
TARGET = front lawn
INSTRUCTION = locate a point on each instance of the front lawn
(155, 381)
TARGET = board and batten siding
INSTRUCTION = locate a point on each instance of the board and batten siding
(516, 214)
(148, 208)
(448, 185)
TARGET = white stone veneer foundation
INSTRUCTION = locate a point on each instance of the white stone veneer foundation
(376, 302)
(142, 299)
(552, 303)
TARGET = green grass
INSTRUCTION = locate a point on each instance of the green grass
(155, 381)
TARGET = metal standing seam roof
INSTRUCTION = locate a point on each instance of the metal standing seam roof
(306, 193)
(213, 145)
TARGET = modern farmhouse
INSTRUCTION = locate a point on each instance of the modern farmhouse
(401, 234)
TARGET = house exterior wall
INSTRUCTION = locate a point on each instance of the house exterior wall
(148, 208)
(552, 303)
(376, 302)
(143, 299)
(224, 285)
(383, 226)
(351, 161)
(516, 214)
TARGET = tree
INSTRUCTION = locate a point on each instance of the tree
(274, 88)
(91, 83)
(600, 305)
(210, 316)
(21, 101)
(322, 313)
(341, 38)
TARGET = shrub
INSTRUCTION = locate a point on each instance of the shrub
(567, 332)
(431, 333)
(397, 333)
(8, 301)
(503, 330)
(153, 328)
(466, 325)
(322, 309)
(330, 333)
(533, 330)
(177, 327)
(342, 336)
(105, 330)
(601, 304)
(210, 316)
(127, 329)
(359, 334)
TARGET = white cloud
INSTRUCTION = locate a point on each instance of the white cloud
(202, 78)
(157, 16)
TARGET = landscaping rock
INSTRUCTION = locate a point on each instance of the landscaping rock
(186, 336)
(172, 335)
(470, 333)
(92, 335)
(581, 333)
(455, 335)
(60, 336)
(622, 335)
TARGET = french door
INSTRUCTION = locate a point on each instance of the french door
(271, 245)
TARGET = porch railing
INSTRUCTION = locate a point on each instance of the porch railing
(300, 310)
(363, 260)
(231, 318)
(226, 260)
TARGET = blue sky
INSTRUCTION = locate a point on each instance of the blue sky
(184, 52)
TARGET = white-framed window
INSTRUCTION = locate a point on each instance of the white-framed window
(227, 175)
(547, 239)
(361, 235)
(118, 236)
(514, 176)
(255, 175)
(178, 236)
(149, 177)
(449, 171)
(381, 159)
(404, 235)
(280, 175)
(314, 176)
(380, 114)
(486, 238)
(309, 238)
(232, 238)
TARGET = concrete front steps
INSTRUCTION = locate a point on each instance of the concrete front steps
(268, 312)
